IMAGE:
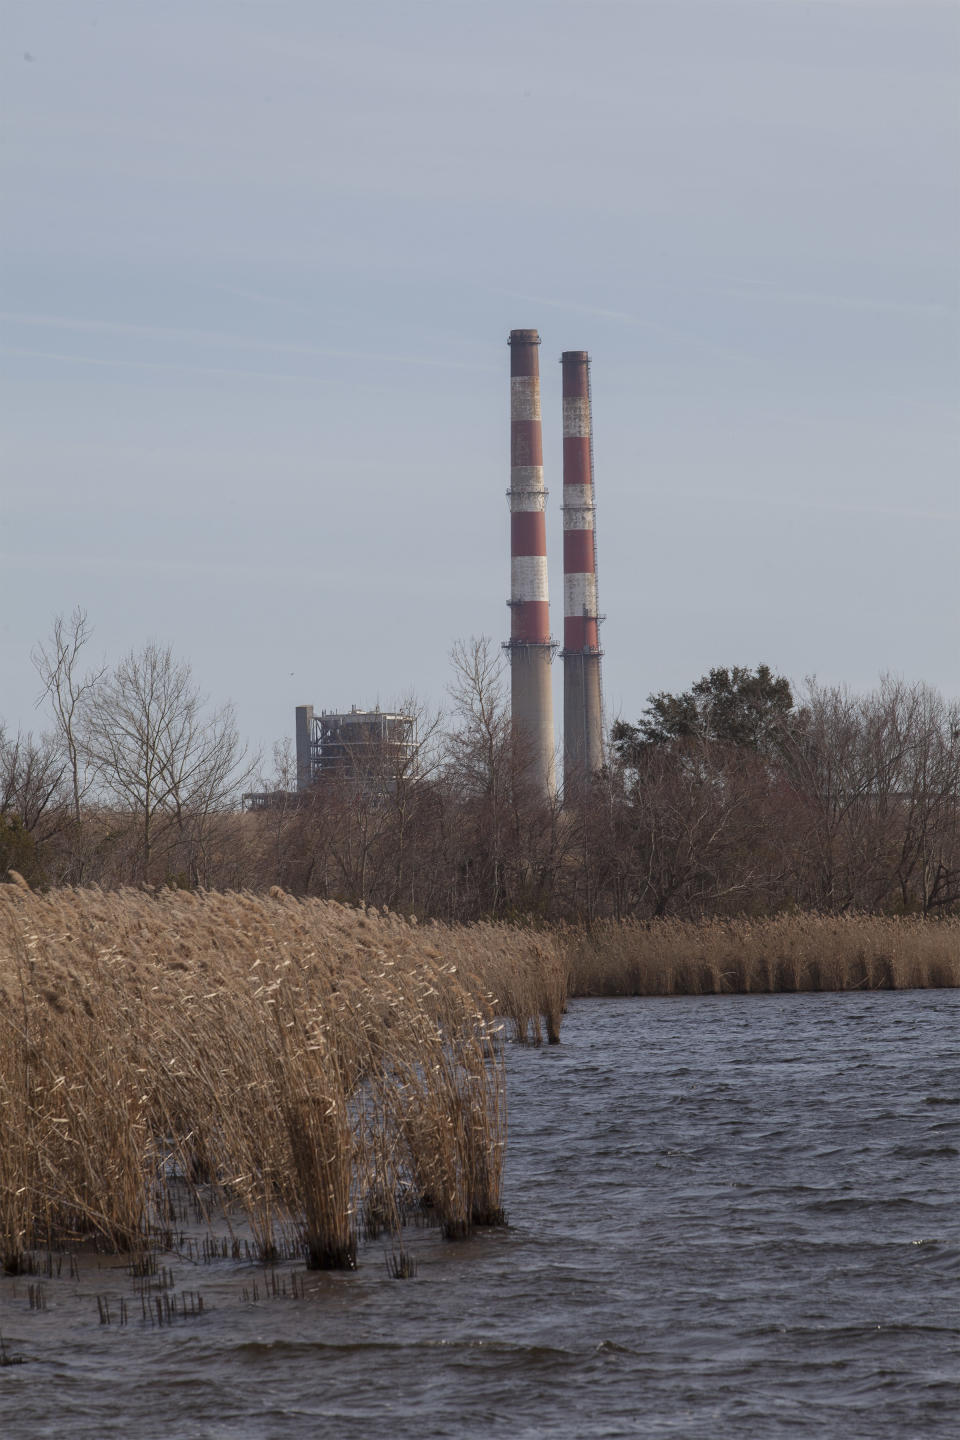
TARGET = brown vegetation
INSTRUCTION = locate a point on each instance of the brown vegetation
(316, 1070)
(785, 953)
(323, 1072)
(733, 798)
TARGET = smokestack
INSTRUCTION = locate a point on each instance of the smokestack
(582, 693)
(304, 733)
(530, 646)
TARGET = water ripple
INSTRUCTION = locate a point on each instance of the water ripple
(728, 1216)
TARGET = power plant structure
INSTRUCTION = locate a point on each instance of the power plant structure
(372, 747)
(530, 646)
(581, 653)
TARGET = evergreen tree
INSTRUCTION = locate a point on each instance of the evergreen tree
(738, 706)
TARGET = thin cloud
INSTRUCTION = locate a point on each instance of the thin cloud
(569, 305)
(164, 334)
(672, 332)
(168, 365)
(276, 301)
(293, 577)
(831, 507)
(767, 291)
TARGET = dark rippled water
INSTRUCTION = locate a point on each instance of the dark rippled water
(731, 1216)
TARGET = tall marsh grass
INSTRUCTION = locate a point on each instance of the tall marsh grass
(783, 953)
(319, 1073)
(316, 1071)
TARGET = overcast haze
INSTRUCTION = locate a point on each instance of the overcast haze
(261, 261)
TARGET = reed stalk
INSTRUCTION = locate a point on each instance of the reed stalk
(311, 1069)
(743, 956)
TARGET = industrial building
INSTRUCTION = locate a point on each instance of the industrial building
(376, 746)
(371, 746)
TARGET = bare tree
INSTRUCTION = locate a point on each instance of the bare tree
(478, 765)
(477, 747)
(407, 772)
(30, 777)
(158, 753)
(31, 774)
(68, 692)
(509, 841)
(277, 823)
(924, 799)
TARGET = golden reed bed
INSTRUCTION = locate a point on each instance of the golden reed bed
(318, 1071)
(783, 953)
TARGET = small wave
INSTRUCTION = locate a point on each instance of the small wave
(925, 1152)
(836, 1334)
(843, 1205)
(611, 1347)
(504, 1350)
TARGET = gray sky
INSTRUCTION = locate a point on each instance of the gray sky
(261, 258)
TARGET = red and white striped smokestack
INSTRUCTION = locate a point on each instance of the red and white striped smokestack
(582, 690)
(530, 646)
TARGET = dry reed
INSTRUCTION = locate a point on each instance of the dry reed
(314, 1070)
(782, 953)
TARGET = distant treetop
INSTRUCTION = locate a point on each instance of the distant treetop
(735, 706)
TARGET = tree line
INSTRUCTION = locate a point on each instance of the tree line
(737, 796)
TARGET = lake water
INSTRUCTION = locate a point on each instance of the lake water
(729, 1216)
